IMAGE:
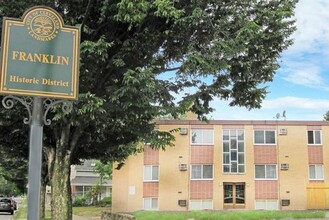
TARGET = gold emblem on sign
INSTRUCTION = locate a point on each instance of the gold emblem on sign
(43, 25)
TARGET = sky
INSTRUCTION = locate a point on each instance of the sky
(301, 84)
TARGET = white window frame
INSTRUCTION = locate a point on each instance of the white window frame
(203, 131)
(266, 202)
(266, 178)
(237, 152)
(202, 201)
(320, 133)
(202, 165)
(264, 141)
(316, 174)
(150, 200)
(153, 179)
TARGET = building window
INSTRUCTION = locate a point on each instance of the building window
(233, 151)
(266, 204)
(316, 172)
(150, 203)
(202, 136)
(314, 137)
(201, 172)
(264, 137)
(266, 171)
(201, 204)
(151, 173)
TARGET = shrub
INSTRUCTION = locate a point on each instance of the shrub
(106, 201)
(79, 201)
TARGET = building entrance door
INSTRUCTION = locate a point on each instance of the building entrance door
(234, 195)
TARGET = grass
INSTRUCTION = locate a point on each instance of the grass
(232, 215)
(88, 211)
(92, 211)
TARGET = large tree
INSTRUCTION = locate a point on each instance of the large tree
(137, 57)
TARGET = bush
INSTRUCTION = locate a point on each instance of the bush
(106, 201)
(79, 201)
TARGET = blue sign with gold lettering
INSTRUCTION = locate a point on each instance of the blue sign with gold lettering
(40, 55)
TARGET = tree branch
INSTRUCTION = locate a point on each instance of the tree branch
(86, 14)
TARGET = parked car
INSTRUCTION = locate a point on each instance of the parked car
(14, 203)
(6, 205)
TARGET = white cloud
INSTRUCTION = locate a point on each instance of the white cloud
(312, 27)
(296, 109)
(296, 103)
(305, 61)
(304, 72)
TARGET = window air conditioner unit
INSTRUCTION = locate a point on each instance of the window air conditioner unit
(283, 131)
(182, 167)
(182, 202)
(183, 131)
(285, 202)
(284, 166)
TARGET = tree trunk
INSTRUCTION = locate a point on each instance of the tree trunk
(42, 200)
(61, 201)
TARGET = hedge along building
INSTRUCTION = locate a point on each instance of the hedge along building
(281, 165)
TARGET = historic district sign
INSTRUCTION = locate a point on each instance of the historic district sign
(40, 55)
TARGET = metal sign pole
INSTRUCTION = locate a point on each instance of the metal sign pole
(35, 160)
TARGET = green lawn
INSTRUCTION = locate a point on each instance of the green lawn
(92, 211)
(228, 215)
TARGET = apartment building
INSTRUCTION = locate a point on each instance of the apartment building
(270, 165)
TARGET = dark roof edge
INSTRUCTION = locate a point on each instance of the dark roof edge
(241, 122)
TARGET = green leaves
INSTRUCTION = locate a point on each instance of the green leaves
(139, 57)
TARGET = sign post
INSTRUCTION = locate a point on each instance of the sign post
(39, 58)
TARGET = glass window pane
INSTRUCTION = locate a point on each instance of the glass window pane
(317, 137)
(233, 144)
(195, 204)
(207, 171)
(260, 171)
(319, 171)
(226, 158)
(154, 203)
(240, 198)
(260, 204)
(234, 167)
(147, 173)
(207, 204)
(196, 136)
(270, 137)
(259, 137)
(241, 158)
(226, 168)
(272, 205)
(312, 171)
(155, 173)
(196, 172)
(270, 171)
(240, 135)
(241, 147)
(226, 146)
(233, 133)
(208, 137)
(310, 137)
(147, 203)
(241, 169)
(228, 193)
(226, 135)
(233, 155)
